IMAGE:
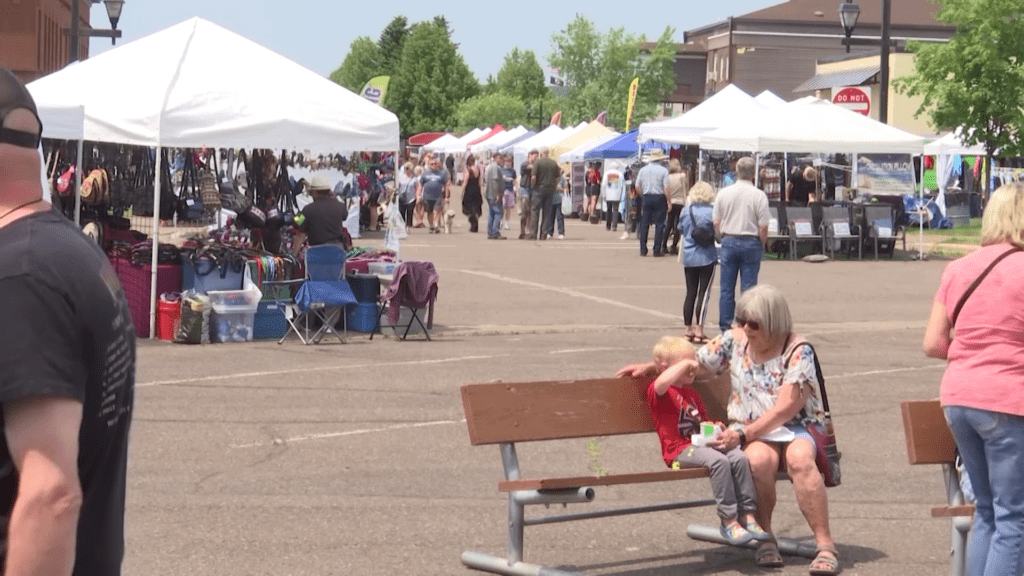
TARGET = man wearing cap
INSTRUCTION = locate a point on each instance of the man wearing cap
(741, 219)
(546, 175)
(322, 221)
(67, 373)
(652, 183)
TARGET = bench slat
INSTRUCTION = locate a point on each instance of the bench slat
(953, 511)
(607, 480)
(929, 440)
(523, 412)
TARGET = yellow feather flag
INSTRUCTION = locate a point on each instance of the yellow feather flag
(375, 89)
(632, 100)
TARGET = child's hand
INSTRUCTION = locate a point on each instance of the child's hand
(634, 370)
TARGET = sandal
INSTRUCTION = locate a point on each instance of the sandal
(826, 565)
(768, 555)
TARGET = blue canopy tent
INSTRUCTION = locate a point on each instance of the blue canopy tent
(624, 146)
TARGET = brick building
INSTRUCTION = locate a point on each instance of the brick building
(32, 38)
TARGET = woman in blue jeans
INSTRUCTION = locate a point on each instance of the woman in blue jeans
(979, 334)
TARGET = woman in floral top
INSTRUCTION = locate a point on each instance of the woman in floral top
(774, 397)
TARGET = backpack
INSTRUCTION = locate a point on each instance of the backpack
(704, 233)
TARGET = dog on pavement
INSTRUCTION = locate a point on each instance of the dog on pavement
(449, 217)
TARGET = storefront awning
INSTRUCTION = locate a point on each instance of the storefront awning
(852, 77)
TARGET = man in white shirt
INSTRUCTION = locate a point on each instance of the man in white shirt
(741, 220)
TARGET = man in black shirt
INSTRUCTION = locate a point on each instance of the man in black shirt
(67, 373)
(801, 185)
(323, 220)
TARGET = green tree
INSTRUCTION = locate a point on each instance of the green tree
(522, 76)
(362, 62)
(974, 81)
(491, 109)
(431, 81)
(599, 68)
(391, 42)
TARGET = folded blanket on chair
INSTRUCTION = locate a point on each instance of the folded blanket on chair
(326, 292)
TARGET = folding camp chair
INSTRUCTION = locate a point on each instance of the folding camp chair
(414, 286)
(881, 230)
(778, 240)
(802, 229)
(321, 300)
(836, 226)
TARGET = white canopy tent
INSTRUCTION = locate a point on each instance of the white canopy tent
(547, 136)
(172, 89)
(769, 99)
(498, 140)
(441, 143)
(576, 154)
(460, 143)
(717, 111)
(63, 122)
(947, 150)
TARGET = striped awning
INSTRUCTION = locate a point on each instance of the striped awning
(852, 77)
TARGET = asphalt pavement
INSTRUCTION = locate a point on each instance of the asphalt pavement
(354, 459)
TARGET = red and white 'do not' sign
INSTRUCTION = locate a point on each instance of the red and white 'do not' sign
(856, 98)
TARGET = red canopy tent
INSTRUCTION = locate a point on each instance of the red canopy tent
(424, 138)
(498, 129)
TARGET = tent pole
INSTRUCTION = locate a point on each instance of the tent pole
(157, 181)
(78, 184)
(920, 220)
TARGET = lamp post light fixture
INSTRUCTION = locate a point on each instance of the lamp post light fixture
(848, 14)
(113, 13)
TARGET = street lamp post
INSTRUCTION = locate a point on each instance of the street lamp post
(113, 13)
(848, 13)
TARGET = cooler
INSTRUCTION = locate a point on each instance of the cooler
(362, 317)
(205, 276)
(269, 323)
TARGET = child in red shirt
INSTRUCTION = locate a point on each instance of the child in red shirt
(677, 412)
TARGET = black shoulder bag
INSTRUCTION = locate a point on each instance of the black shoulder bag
(701, 235)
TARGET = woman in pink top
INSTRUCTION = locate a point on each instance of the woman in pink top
(983, 387)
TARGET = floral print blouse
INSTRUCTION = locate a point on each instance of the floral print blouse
(755, 387)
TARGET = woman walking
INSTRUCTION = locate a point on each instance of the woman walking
(678, 185)
(472, 200)
(976, 326)
(698, 258)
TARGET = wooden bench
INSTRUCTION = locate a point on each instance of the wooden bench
(929, 441)
(507, 413)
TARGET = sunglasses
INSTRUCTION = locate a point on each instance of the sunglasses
(754, 325)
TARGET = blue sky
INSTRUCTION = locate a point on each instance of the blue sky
(317, 33)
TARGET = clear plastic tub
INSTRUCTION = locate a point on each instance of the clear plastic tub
(234, 314)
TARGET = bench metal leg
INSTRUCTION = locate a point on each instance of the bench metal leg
(789, 546)
(495, 565)
(960, 527)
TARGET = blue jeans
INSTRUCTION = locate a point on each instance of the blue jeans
(739, 257)
(559, 218)
(655, 207)
(493, 218)
(992, 447)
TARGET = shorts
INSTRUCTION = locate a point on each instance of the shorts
(432, 204)
(593, 189)
(800, 431)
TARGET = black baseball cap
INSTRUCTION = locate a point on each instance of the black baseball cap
(13, 96)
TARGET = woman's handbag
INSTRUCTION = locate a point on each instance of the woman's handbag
(827, 457)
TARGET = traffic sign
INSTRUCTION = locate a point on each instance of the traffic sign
(856, 98)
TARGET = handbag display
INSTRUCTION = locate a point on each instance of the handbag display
(828, 455)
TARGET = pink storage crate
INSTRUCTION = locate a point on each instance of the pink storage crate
(136, 282)
(359, 265)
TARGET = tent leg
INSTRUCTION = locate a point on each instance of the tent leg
(78, 184)
(157, 181)
(920, 220)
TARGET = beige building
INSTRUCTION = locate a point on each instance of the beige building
(863, 72)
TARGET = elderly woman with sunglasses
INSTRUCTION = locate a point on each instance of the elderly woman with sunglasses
(774, 396)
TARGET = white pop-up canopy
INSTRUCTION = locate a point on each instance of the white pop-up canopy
(717, 111)
(61, 122)
(815, 126)
(460, 143)
(498, 140)
(952, 144)
(769, 99)
(197, 84)
(441, 143)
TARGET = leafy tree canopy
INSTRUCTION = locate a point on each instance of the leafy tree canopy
(974, 81)
(491, 109)
(522, 76)
(599, 67)
(392, 39)
(431, 80)
(362, 63)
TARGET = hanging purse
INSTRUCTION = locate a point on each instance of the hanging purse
(827, 453)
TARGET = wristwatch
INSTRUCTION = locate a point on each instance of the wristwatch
(743, 438)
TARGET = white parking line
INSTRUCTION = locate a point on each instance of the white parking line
(894, 370)
(573, 293)
(293, 439)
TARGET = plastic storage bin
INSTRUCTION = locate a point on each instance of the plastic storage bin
(269, 322)
(381, 267)
(362, 317)
(234, 314)
(167, 315)
(208, 277)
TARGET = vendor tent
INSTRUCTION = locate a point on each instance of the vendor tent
(769, 99)
(461, 144)
(543, 138)
(816, 126)
(586, 134)
(624, 146)
(953, 143)
(577, 153)
(717, 111)
(61, 121)
(499, 140)
(442, 143)
(498, 129)
(173, 89)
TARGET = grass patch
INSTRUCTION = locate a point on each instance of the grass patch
(960, 234)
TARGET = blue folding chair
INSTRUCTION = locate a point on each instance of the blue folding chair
(321, 300)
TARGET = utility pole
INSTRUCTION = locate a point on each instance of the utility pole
(75, 17)
(883, 71)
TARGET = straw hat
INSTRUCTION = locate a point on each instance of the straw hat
(319, 182)
(656, 155)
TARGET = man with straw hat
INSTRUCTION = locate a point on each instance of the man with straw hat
(652, 182)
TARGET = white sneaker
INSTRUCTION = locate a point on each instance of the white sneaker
(625, 236)
(561, 236)
(506, 225)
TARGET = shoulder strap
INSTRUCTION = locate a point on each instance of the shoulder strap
(817, 370)
(693, 221)
(977, 281)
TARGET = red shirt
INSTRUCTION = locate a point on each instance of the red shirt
(668, 410)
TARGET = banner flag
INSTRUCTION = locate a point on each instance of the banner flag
(556, 118)
(602, 117)
(375, 89)
(632, 100)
